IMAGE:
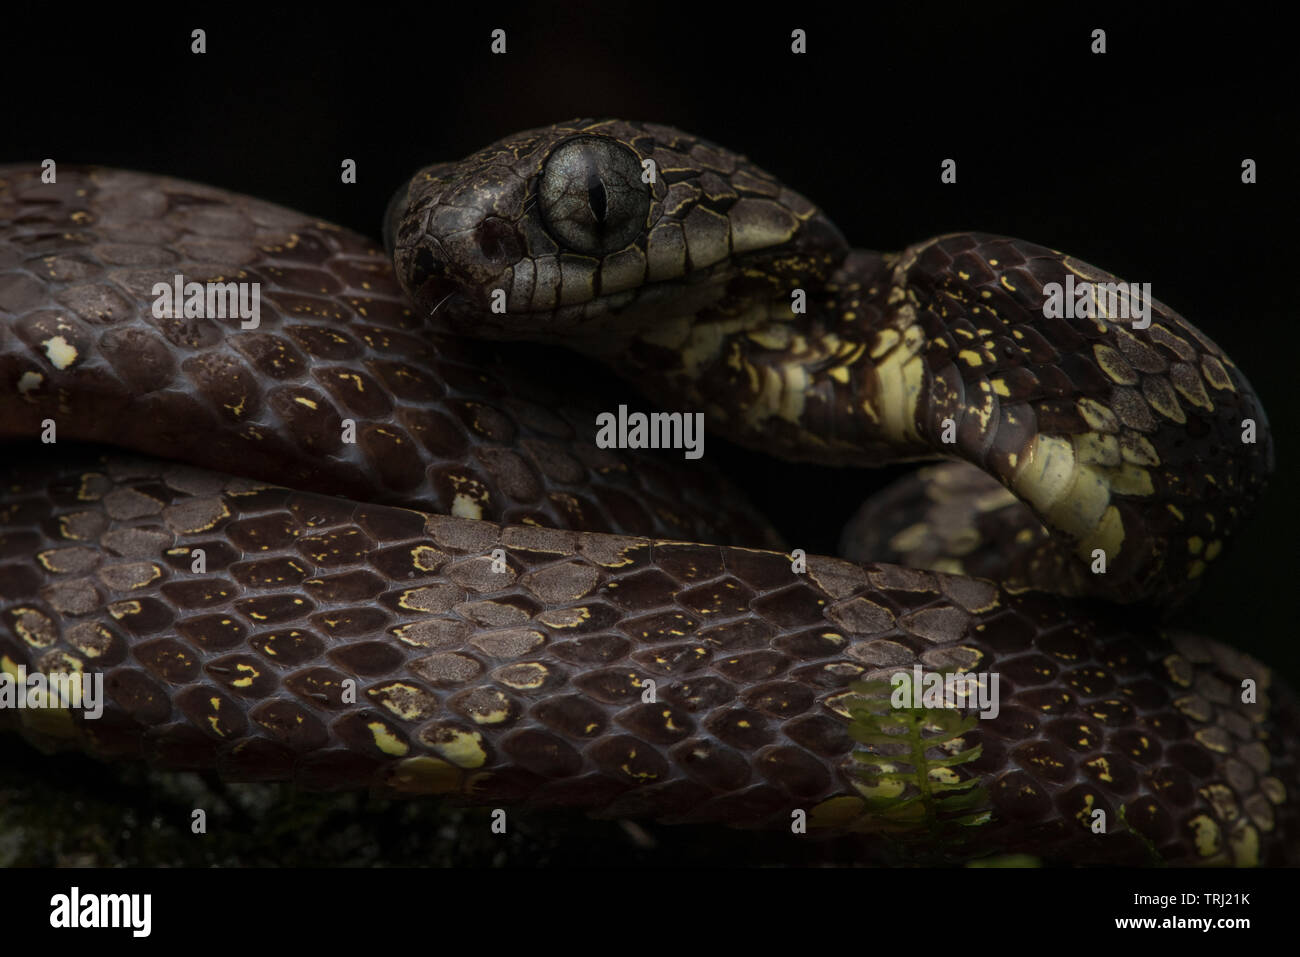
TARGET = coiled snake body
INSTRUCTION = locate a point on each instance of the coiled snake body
(461, 623)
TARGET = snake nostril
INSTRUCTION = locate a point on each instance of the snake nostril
(497, 241)
(428, 281)
(426, 266)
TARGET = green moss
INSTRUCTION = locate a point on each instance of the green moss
(912, 788)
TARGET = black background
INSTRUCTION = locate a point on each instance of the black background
(1129, 160)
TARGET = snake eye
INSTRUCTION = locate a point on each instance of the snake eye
(592, 197)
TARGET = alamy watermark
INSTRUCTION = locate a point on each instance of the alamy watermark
(1098, 300)
(75, 909)
(658, 430)
(60, 690)
(931, 689)
(213, 300)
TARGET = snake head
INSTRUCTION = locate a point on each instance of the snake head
(599, 226)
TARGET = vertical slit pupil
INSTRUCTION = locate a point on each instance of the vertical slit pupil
(596, 197)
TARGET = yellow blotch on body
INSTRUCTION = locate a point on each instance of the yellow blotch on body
(386, 740)
(462, 748)
(462, 506)
(425, 775)
(60, 352)
(1206, 834)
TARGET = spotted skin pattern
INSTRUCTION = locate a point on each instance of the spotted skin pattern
(367, 642)
(439, 423)
(529, 685)
(1132, 442)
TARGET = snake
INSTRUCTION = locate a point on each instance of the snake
(366, 542)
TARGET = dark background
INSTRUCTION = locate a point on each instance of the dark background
(1129, 160)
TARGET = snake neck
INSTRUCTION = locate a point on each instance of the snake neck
(946, 350)
(822, 370)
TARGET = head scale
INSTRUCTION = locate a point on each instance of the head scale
(596, 225)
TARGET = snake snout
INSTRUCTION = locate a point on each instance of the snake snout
(425, 274)
(454, 280)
